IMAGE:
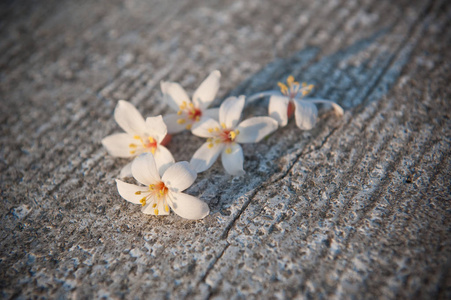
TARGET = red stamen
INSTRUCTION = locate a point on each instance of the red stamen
(166, 140)
(194, 113)
(290, 109)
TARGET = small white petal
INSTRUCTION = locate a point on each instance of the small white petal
(254, 129)
(144, 169)
(205, 128)
(128, 191)
(278, 109)
(172, 123)
(233, 161)
(206, 92)
(187, 206)
(211, 113)
(129, 118)
(126, 171)
(163, 159)
(174, 94)
(179, 176)
(230, 111)
(156, 128)
(305, 114)
(205, 157)
(337, 108)
(148, 209)
(118, 144)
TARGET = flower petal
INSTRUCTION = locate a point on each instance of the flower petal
(128, 191)
(206, 92)
(211, 113)
(173, 94)
(171, 121)
(144, 169)
(205, 157)
(156, 128)
(148, 209)
(205, 128)
(163, 159)
(179, 176)
(305, 114)
(254, 129)
(278, 108)
(129, 118)
(118, 144)
(126, 171)
(337, 108)
(187, 206)
(233, 161)
(230, 111)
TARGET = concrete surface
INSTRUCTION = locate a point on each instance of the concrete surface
(357, 208)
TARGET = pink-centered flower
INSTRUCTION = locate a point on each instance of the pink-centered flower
(291, 100)
(141, 136)
(189, 113)
(224, 137)
(158, 194)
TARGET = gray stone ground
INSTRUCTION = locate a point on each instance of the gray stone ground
(358, 207)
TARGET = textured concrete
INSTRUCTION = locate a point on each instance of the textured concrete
(358, 207)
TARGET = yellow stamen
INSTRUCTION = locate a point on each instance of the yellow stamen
(166, 208)
(181, 121)
(151, 139)
(143, 201)
(216, 128)
(179, 112)
(283, 87)
(191, 105)
(210, 145)
(210, 130)
(223, 125)
(188, 126)
(197, 119)
(151, 187)
(138, 193)
(237, 131)
(155, 211)
(209, 140)
(132, 146)
(183, 105)
(154, 205)
(304, 84)
(137, 137)
(290, 80)
(152, 150)
(232, 135)
(228, 150)
(132, 152)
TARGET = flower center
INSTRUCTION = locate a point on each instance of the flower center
(293, 88)
(154, 196)
(223, 135)
(149, 144)
(188, 113)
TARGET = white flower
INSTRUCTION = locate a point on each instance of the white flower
(140, 137)
(282, 104)
(190, 112)
(158, 194)
(224, 137)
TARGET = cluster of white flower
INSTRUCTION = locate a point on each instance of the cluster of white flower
(155, 167)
